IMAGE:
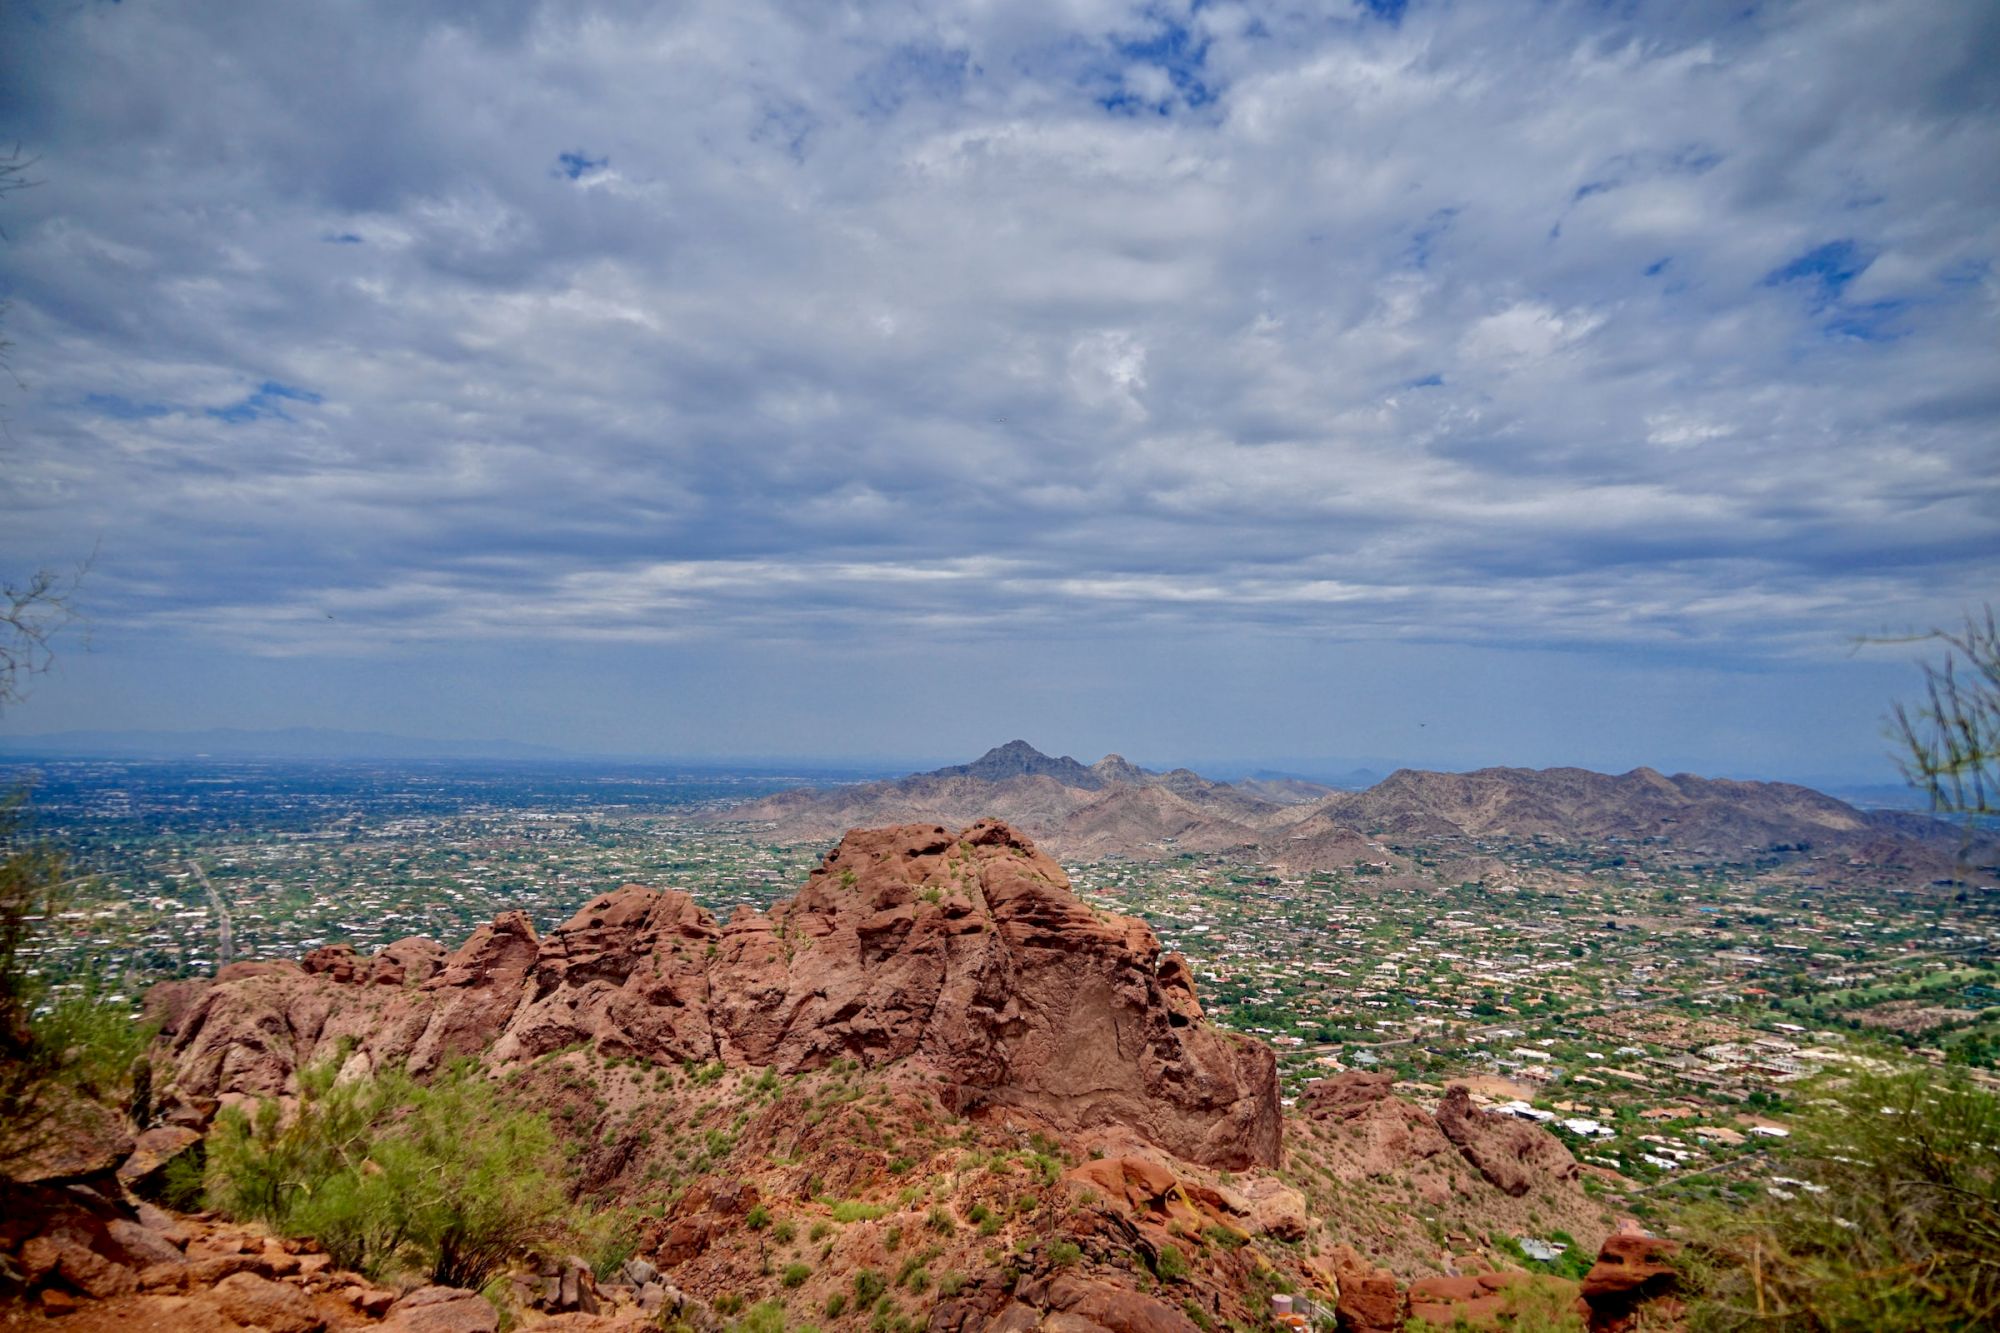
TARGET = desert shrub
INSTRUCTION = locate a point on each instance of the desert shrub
(1222, 1237)
(1065, 1254)
(384, 1171)
(181, 1183)
(757, 1218)
(950, 1284)
(820, 1230)
(784, 1231)
(1898, 1233)
(868, 1285)
(609, 1238)
(795, 1275)
(763, 1317)
(835, 1304)
(1197, 1314)
(853, 1210)
(939, 1220)
(1170, 1266)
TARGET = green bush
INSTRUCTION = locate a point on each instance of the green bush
(387, 1171)
(1065, 1254)
(1900, 1235)
(868, 1285)
(1170, 1266)
(852, 1210)
(835, 1304)
(181, 1184)
(795, 1275)
(1227, 1238)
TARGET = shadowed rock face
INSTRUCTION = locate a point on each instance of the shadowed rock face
(964, 953)
(1512, 1154)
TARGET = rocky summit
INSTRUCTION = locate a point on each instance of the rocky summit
(963, 954)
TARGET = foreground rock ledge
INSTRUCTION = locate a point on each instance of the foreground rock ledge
(966, 954)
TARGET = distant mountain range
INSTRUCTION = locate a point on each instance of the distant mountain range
(1113, 807)
(288, 743)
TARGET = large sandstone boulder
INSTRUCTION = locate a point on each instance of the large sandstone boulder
(258, 1302)
(1370, 1299)
(1513, 1155)
(441, 1310)
(1631, 1270)
(962, 952)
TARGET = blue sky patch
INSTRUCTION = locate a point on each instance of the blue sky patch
(1174, 48)
(577, 164)
(1827, 269)
(1424, 240)
(267, 401)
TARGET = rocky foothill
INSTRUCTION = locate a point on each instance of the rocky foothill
(932, 1089)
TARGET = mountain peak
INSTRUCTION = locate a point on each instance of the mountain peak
(1118, 770)
(1017, 759)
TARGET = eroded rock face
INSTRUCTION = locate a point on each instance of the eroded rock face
(1513, 1155)
(1631, 1271)
(962, 951)
(1370, 1300)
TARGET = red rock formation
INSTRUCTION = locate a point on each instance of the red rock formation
(1513, 1155)
(1383, 1135)
(965, 953)
(1370, 1299)
(1631, 1270)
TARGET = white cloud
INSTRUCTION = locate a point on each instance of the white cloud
(1464, 329)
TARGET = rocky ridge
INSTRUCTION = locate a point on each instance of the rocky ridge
(963, 954)
(1115, 808)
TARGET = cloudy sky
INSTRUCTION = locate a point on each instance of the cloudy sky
(1456, 383)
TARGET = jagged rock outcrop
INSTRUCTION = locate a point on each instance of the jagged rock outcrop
(1513, 1155)
(963, 952)
(1632, 1270)
(1383, 1135)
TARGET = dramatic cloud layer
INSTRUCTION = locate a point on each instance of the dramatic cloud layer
(364, 332)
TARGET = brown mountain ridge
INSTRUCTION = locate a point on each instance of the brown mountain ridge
(1115, 808)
